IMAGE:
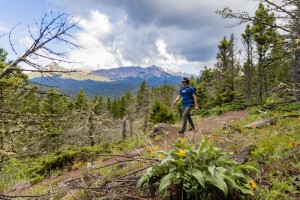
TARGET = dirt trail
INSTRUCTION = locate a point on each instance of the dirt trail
(204, 126)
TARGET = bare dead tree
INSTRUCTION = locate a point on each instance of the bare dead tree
(51, 29)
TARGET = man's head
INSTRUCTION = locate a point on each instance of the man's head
(185, 81)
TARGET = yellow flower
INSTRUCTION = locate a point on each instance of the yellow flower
(252, 184)
(155, 148)
(181, 153)
(293, 144)
(148, 148)
(160, 156)
(152, 154)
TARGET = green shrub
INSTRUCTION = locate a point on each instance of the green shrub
(202, 173)
(289, 107)
(216, 110)
(161, 113)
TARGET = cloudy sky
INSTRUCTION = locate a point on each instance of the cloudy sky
(178, 35)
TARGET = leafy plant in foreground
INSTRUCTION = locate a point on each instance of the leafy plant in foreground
(204, 172)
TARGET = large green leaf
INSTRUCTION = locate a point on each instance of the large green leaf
(142, 182)
(211, 170)
(165, 182)
(227, 161)
(203, 145)
(248, 167)
(245, 190)
(216, 181)
(199, 176)
(230, 181)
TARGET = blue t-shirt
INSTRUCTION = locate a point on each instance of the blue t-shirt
(186, 94)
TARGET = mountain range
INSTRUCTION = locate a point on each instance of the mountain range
(112, 82)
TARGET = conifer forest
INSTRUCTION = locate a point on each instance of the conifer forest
(246, 144)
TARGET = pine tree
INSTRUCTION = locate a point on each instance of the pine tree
(81, 100)
(264, 33)
(122, 106)
(108, 104)
(226, 71)
(143, 103)
(115, 109)
(53, 103)
(99, 105)
(160, 113)
(248, 65)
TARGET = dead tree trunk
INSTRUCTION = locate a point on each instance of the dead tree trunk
(91, 128)
(124, 129)
(130, 127)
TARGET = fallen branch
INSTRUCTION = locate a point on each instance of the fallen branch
(261, 122)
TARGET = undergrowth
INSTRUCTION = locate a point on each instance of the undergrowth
(37, 168)
(275, 149)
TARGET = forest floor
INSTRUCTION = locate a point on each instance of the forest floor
(204, 126)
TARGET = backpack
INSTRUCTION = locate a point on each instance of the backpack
(190, 91)
(192, 88)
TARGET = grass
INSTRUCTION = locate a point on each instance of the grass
(276, 150)
(38, 168)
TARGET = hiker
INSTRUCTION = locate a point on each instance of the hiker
(189, 100)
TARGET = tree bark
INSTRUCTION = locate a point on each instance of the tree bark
(130, 127)
(124, 129)
(297, 75)
(91, 129)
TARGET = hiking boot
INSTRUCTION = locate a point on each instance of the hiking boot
(181, 132)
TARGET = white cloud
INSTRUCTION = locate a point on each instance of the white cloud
(174, 34)
(97, 25)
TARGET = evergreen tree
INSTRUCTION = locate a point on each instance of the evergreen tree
(248, 68)
(115, 109)
(53, 103)
(108, 104)
(122, 106)
(31, 102)
(99, 105)
(160, 113)
(226, 71)
(264, 34)
(81, 100)
(143, 103)
(205, 90)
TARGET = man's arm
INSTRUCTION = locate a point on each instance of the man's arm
(177, 99)
(196, 103)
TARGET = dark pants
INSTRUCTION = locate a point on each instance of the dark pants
(185, 117)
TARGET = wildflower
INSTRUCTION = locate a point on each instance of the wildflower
(148, 148)
(152, 154)
(76, 165)
(160, 156)
(252, 184)
(181, 153)
(293, 144)
(155, 148)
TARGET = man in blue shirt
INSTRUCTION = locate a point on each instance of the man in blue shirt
(189, 100)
